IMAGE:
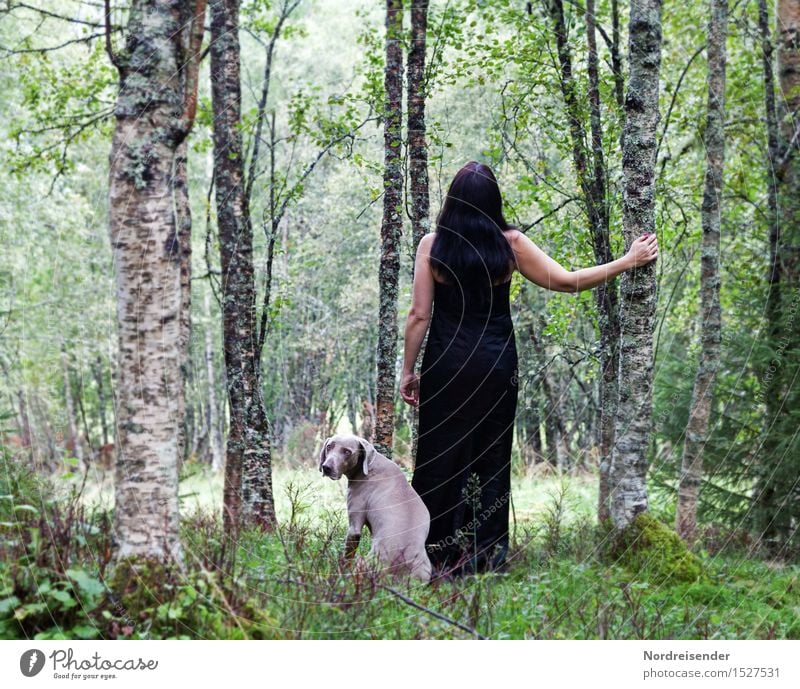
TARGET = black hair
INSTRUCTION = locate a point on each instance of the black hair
(469, 248)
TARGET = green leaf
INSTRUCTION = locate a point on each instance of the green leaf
(8, 604)
(66, 600)
(89, 585)
(84, 631)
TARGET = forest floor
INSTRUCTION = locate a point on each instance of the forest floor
(561, 583)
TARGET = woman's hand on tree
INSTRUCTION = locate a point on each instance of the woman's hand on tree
(409, 388)
(643, 250)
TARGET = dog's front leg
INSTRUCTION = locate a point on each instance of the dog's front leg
(355, 522)
(351, 545)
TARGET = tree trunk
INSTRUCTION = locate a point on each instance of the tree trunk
(776, 498)
(417, 155)
(628, 469)
(97, 372)
(24, 420)
(391, 229)
(555, 433)
(183, 222)
(710, 326)
(73, 439)
(592, 182)
(248, 497)
(214, 434)
(763, 491)
(154, 112)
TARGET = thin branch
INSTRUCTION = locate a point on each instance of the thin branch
(287, 8)
(433, 613)
(675, 96)
(48, 49)
(61, 17)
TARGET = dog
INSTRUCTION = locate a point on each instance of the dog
(380, 497)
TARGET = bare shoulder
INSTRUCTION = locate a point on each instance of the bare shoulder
(427, 241)
(512, 234)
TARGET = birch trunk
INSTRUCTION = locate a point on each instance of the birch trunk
(183, 221)
(154, 112)
(248, 496)
(97, 372)
(417, 155)
(710, 326)
(590, 169)
(628, 470)
(214, 434)
(776, 497)
(146, 256)
(73, 439)
(391, 229)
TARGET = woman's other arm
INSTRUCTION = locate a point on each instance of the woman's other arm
(419, 316)
(538, 267)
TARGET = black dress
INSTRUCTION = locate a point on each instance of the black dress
(467, 404)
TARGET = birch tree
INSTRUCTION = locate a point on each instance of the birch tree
(248, 496)
(417, 152)
(710, 317)
(391, 228)
(591, 174)
(776, 496)
(154, 112)
(628, 495)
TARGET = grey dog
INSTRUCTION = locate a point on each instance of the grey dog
(380, 497)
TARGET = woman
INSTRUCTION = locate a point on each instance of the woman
(467, 389)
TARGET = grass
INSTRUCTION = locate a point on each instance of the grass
(56, 570)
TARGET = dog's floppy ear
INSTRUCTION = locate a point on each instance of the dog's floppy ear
(369, 453)
(322, 453)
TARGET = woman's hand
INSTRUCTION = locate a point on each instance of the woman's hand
(643, 250)
(409, 388)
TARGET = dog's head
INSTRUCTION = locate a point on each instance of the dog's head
(341, 454)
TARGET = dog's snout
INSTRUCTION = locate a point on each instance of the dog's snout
(326, 470)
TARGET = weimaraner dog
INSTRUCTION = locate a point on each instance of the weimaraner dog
(379, 496)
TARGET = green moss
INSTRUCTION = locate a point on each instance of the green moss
(650, 547)
(139, 584)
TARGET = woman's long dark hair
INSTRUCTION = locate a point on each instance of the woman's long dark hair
(469, 248)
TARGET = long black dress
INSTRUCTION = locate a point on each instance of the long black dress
(467, 404)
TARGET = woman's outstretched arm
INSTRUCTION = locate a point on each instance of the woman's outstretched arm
(538, 267)
(419, 315)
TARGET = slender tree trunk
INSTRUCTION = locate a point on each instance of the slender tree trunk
(391, 229)
(628, 470)
(710, 325)
(555, 433)
(417, 145)
(417, 155)
(183, 222)
(102, 401)
(73, 439)
(616, 58)
(248, 497)
(763, 490)
(86, 433)
(776, 495)
(155, 110)
(24, 419)
(214, 435)
(590, 169)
